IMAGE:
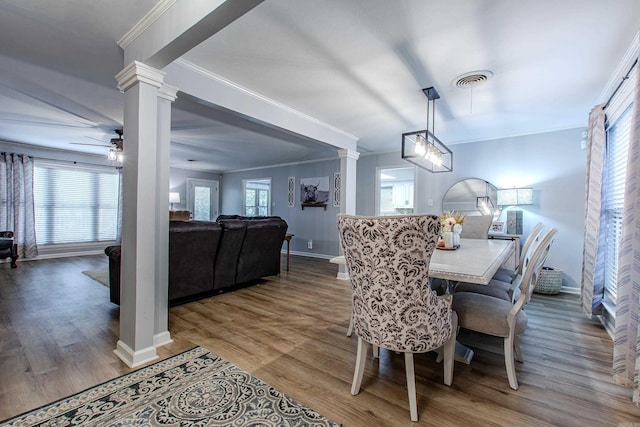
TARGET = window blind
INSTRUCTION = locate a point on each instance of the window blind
(618, 138)
(75, 204)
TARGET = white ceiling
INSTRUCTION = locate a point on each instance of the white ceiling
(357, 65)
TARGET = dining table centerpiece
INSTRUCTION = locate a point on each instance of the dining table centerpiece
(450, 228)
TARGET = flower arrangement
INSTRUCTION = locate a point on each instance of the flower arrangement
(451, 221)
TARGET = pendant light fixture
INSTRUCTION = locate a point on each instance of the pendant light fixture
(423, 148)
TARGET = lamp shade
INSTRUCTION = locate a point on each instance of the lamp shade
(515, 196)
(174, 197)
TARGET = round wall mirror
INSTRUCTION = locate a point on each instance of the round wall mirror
(472, 196)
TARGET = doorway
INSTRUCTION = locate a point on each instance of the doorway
(202, 199)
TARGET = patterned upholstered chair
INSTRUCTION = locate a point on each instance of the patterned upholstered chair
(8, 249)
(500, 318)
(392, 304)
(506, 283)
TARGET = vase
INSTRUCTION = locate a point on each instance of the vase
(456, 239)
(447, 237)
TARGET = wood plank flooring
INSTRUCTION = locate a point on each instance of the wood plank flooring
(58, 331)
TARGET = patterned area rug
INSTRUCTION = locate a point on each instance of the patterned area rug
(195, 388)
(101, 276)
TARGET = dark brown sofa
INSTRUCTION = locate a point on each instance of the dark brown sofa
(206, 258)
(8, 248)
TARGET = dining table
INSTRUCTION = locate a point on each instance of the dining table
(474, 261)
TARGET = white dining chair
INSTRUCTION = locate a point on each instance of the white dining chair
(533, 238)
(476, 227)
(497, 317)
(505, 284)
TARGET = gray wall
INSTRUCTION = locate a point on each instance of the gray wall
(552, 163)
(314, 224)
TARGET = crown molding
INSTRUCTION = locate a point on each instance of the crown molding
(147, 20)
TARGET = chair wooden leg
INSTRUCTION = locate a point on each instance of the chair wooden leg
(509, 362)
(456, 328)
(516, 347)
(411, 386)
(361, 358)
(450, 351)
(350, 328)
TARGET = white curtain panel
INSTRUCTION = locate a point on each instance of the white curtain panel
(590, 258)
(626, 350)
(16, 202)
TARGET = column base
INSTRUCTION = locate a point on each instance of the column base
(342, 276)
(132, 358)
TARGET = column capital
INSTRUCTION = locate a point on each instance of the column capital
(137, 72)
(350, 154)
(168, 92)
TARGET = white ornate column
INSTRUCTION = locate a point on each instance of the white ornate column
(166, 95)
(348, 176)
(140, 84)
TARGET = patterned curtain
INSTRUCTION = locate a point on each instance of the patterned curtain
(626, 338)
(593, 254)
(16, 201)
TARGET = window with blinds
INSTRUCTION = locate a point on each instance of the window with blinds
(75, 204)
(618, 138)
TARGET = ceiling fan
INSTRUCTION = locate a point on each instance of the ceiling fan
(116, 146)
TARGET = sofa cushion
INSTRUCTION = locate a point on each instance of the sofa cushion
(233, 234)
(193, 247)
(260, 254)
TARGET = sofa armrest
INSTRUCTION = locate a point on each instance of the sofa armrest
(113, 252)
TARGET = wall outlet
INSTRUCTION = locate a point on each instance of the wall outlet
(310, 244)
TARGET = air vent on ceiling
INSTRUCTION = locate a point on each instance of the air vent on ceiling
(472, 79)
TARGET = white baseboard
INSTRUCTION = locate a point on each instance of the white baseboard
(132, 358)
(309, 254)
(63, 255)
(567, 290)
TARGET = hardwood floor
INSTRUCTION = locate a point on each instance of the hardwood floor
(58, 331)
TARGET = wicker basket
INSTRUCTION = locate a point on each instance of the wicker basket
(549, 282)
